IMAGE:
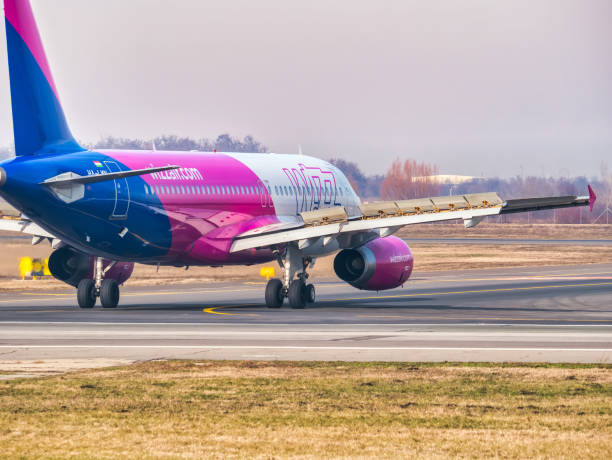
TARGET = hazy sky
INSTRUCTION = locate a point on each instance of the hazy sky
(491, 87)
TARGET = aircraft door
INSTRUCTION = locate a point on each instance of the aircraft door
(264, 195)
(122, 193)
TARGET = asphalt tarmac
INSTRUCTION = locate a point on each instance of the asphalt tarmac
(553, 314)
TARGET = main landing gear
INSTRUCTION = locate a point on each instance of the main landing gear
(89, 290)
(293, 286)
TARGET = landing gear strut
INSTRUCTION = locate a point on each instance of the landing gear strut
(107, 289)
(293, 286)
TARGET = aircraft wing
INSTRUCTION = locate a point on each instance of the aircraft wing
(381, 219)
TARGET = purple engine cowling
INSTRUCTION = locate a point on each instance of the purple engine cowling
(383, 263)
(71, 266)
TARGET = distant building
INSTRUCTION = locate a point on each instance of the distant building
(448, 179)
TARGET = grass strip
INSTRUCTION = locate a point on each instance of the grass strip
(233, 409)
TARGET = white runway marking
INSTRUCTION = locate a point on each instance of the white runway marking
(267, 347)
(335, 326)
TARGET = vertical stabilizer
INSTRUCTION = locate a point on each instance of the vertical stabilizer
(39, 124)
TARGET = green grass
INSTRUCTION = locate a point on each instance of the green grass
(178, 409)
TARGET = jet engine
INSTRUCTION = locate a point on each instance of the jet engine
(71, 266)
(383, 263)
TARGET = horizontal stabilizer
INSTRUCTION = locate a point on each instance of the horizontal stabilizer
(23, 225)
(72, 178)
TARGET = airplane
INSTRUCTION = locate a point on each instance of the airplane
(105, 210)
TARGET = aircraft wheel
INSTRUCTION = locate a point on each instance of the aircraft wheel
(297, 297)
(310, 293)
(109, 293)
(274, 294)
(86, 295)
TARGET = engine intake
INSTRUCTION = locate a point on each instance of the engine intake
(71, 266)
(384, 263)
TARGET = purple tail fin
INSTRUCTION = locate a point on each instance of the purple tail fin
(39, 124)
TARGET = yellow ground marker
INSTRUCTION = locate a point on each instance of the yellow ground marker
(267, 272)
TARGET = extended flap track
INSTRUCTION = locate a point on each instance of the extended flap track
(381, 209)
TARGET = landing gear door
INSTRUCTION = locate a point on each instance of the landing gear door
(122, 193)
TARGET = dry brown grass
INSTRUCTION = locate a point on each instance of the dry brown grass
(303, 410)
(512, 231)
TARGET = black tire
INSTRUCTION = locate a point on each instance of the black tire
(310, 293)
(274, 294)
(86, 294)
(109, 293)
(297, 294)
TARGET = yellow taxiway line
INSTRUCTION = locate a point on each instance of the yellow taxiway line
(213, 310)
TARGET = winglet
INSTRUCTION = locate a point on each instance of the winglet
(592, 198)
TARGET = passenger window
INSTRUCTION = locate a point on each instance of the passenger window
(286, 192)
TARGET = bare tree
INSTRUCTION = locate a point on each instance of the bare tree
(411, 179)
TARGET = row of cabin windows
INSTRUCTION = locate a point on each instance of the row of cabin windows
(200, 190)
(281, 190)
(291, 190)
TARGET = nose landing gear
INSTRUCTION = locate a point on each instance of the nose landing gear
(294, 286)
(89, 290)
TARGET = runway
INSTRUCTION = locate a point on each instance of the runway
(557, 314)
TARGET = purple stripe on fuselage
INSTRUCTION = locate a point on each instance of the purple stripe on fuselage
(209, 200)
(19, 14)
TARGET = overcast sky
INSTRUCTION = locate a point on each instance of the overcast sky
(476, 86)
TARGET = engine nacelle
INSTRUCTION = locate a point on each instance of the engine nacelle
(71, 266)
(384, 263)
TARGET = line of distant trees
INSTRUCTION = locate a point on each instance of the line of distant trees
(223, 143)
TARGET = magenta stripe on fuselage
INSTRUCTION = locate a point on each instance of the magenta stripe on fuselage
(19, 14)
(211, 220)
